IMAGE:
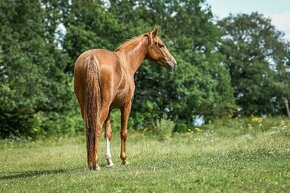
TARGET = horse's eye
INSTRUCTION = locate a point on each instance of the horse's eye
(161, 45)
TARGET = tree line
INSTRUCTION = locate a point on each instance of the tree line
(236, 66)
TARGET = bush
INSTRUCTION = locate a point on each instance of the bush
(59, 124)
(246, 125)
(180, 127)
(163, 128)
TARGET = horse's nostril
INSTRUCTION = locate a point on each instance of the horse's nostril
(171, 66)
(174, 67)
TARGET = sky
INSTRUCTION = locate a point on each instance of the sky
(277, 10)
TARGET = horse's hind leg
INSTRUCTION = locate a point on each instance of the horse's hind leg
(103, 115)
(108, 137)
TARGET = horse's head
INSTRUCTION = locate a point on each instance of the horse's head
(158, 52)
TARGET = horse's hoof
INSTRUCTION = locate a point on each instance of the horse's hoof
(94, 168)
(97, 167)
(110, 165)
(125, 162)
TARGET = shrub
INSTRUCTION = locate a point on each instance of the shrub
(180, 127)
(246, 125)
(163, 128)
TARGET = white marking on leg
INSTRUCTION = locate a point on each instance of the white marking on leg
(108, 155)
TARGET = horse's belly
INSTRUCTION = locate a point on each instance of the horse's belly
(120, 99)
(118, 102)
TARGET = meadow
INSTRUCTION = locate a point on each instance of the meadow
(224, 158)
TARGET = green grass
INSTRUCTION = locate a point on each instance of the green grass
(202, 161)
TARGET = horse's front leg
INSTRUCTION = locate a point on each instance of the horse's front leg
(125, 112)
(108, 137)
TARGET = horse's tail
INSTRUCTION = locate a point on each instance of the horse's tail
(92, 106)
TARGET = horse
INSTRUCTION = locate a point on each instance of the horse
(104, 80)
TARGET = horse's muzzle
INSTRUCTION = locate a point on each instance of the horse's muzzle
(170, 67)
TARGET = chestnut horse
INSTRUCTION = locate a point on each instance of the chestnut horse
(104, 80)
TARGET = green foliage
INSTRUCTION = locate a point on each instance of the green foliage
(248, 126)
(200, 86)
(116, 120)
(257, 58)
(163, 129)
(241, 60)
(32, 80)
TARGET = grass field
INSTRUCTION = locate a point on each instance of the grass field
(203, 161)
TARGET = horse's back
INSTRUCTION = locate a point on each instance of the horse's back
(103, 56)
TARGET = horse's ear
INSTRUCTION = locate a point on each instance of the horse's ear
(154, 32)
(152, 35)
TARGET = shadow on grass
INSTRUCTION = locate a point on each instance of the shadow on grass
(29, 174)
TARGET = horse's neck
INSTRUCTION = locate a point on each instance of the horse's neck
(132, 56)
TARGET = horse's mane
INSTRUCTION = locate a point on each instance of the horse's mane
(131, 42)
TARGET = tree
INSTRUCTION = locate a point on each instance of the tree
(256, 57)
(201, 85)
(31, 82)
(34, 52)
(281, 83)
(90, 26)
